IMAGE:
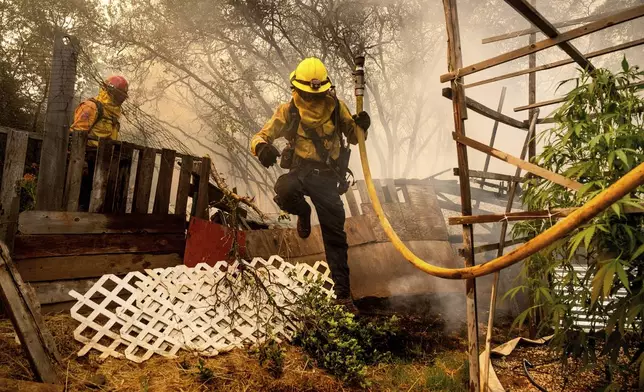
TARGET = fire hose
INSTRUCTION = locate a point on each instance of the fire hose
(603, 200)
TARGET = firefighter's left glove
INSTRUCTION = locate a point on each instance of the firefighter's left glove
(267, 154)
(363, 120)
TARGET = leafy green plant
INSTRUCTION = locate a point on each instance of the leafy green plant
(337, 341)
(205, 374)
(28, 185)
(272, 354)
(598, 137)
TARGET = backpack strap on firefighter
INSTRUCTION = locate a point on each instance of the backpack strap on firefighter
(100, 111)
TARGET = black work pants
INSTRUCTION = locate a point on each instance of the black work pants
(322, 188)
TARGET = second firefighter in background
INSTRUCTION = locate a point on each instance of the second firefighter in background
(315, 123)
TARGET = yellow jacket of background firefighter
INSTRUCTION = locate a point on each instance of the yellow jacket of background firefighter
(86, 118)
(313, 115)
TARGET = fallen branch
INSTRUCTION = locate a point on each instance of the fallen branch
(221, 184)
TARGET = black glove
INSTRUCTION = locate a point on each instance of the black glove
(363, 120)
(267, 154)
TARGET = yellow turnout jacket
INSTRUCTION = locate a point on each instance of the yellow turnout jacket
(313, 115)
(108, 125)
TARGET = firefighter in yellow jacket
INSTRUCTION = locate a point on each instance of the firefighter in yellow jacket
(99, 116)
(315, 123)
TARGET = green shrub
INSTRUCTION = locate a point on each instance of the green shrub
(337, 341)
(598, 138)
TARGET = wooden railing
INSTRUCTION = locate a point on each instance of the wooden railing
(123, 180)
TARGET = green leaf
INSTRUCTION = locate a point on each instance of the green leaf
(615, 207)
(609, 276)
(638, 252)
(622, 156)
(589, 236)
(611, 158)
(625, 66)
(597, 283)
(623, 277)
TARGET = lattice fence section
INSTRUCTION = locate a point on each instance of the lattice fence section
(165, 310)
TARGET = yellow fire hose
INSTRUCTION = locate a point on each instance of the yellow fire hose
(616, 191)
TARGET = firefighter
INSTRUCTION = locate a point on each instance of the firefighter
(99, 116)
(315, 124)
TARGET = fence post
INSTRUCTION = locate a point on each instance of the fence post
(14, 167)
(51, 177)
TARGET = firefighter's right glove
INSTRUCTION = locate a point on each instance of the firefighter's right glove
(267, 154)
(363, 120)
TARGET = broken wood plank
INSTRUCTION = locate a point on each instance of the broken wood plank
(52, 222)
(538, 20)
(183, 189)
(612, 20)
(556, 64)
(390, 190)
(123, 178)
(487, 112)
(532, 168)
(14, 167)
(51, 245)
(101, 172)
(202, 210)
(75, 170)
(532, 30)
(11, 385)
(92, 266)
(555, 213)
(27, 321)
(112, 177)
(143, 186)
(164, 184)
(490, 176)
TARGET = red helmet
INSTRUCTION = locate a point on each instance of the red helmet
(117, 82)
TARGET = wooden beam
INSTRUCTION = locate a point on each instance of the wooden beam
(527, 166)
(53, 156)
(50, 222)
(32, 135)
(459, 102)
(538, 20)
(563, 99)
(27, 321)
(486, 111)
(533, 30)
(183, 189)
(164, 184)
(532, 91)
(75, 170)
(618, 18)
(490, 176)
(533, 69)
(112, 177)
(92, 266)
(101, 173)
(54, 245)
(352, 203)
(14, 167)
(143, 184)
(123, 179)
(555, 213)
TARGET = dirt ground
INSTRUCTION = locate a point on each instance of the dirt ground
(431, 360)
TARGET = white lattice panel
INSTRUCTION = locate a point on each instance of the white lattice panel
(165, 310)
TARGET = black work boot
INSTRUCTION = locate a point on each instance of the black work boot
(304, 225)
(348, 305)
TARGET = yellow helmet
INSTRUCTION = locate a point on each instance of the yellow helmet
(311, 76)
